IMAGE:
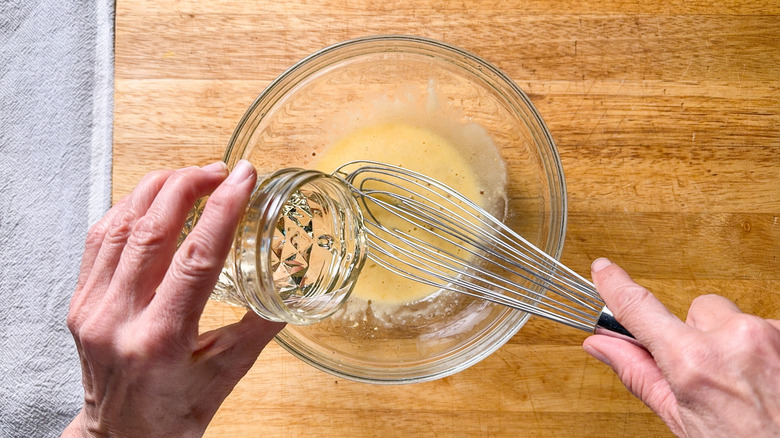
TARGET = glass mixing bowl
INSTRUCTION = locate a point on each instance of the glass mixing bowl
(306, 109)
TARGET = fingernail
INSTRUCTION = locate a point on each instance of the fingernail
(217, 167)
(597, 355)
(242, 171)
(599, 264)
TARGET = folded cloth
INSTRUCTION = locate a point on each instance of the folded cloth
(56, 85)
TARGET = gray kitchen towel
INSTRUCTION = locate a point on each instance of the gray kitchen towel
(56, 87)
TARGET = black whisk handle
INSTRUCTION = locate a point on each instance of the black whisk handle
(608, 325)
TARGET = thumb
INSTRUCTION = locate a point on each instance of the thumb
(634, 306)
(639, 372)
(234, 348)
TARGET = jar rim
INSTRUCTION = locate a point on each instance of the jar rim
(254, 239)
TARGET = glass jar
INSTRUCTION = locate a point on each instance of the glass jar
(297, 250)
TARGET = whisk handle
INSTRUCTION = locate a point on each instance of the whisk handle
(608, 325)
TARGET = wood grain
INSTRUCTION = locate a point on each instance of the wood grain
(666, 115)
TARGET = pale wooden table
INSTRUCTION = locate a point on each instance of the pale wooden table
(667, 118)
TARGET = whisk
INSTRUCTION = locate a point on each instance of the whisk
(423, 230)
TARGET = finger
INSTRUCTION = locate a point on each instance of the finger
(634, 306)
(106, 243)
(639, 372)
(82, 302)
(123, 218)
(152, 242)
(196, 265)
(94, 240)
(709, 312)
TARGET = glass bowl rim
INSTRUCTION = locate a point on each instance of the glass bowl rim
(557, 185)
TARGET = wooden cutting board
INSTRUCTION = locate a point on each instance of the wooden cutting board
(667, 118)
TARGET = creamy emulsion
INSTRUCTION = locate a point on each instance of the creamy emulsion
(423, 150)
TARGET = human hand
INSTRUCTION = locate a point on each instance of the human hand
(135, 313)
(715, 375)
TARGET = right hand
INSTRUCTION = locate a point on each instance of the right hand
(715, 375)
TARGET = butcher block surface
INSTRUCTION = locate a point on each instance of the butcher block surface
(666, 115)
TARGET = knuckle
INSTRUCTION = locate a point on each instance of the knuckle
(155, 178)
(96, 233)
(749, 335)
(147, 233)
(73, 322)
(95, 335)
(140, 347)
(195, 262)
(630, 298)
(121, 226)
(183, 183)
(179, 177)
(146, 190)
(747, 327)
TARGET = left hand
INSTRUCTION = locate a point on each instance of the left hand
(135, 313)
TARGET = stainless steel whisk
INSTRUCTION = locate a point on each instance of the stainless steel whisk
(423, 230)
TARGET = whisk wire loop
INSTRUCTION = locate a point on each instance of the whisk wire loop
(462, 228)
(475, 273)
(477, 281)
(423, 230)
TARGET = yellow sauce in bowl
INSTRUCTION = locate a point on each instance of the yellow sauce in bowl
(423, 150)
